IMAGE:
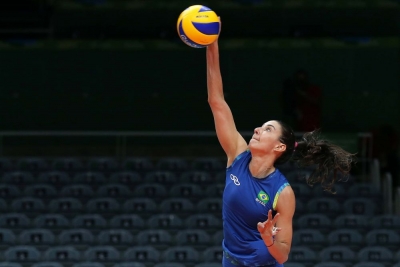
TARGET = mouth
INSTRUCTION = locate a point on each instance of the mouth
(253, 138)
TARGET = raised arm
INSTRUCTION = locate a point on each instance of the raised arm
(231, 141)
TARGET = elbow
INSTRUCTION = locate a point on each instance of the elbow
(216, 102)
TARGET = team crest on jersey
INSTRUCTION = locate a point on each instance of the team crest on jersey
(262, 198)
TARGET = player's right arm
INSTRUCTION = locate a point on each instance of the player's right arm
(230, 139)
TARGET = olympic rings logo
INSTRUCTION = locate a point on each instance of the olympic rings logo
(235, 180)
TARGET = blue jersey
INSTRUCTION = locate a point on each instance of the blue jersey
(246, 201)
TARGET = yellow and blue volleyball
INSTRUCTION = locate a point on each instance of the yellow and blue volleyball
(198, 26)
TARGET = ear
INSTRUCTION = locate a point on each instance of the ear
(280, 148)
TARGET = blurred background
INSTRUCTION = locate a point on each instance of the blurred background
(108, 156)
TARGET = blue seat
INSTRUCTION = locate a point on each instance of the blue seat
(47, 264)
(66, 205)
(376, 254)
(76, 237)
(126, 178)
(14, 220)
(328, 206)
(296, 176)
(369, 264)
(51, 221)
(351, 221)
(102, 205)
(10, 264)
(360, 206)
(315, 221)
(165, 221)
(206, 222)
(214, 190)
(309, 237)
(386, 221)
(196, 177)
(301, 190)
(115, 237)
(210, 205)
(383, 237)
(194, 238)
(89, 264)
(329, 264)
(3, 206)
(22, 254)
(172, 164)
(41, 191)
(68, 164)
(217, 237)
(177, 205)
(77, 191)
(184, 254)
(161, 177)
(103, 164)
(364, 190)
(303, 255)
(62, 254)
(341, 254)
(89, 221)
(102, 254)
(339, 192)
(130, 264)
(159, 239)
(155, 191)
(208, 164)
(170, 264)
(7, 237)
(9, 191)
(138, 164)
(292, 264)
(33, 164)
(37, 237)
(143, 254)
(28, 205)
(18, 178)
(94, 179)
(114, 191)
(186, 190)
(349, 237)
(131, 222)
(213, 254)
(55, 178)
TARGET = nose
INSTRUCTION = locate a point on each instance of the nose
(257, 130)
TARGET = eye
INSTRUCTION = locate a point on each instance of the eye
(268, 129)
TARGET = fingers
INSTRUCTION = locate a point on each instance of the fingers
(261, 227)
(269, 215)
(275, 218)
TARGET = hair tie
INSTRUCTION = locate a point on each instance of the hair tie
(295, 144)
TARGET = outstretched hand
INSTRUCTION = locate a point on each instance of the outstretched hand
(215, 43)
(267, 228)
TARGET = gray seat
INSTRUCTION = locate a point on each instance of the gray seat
(165, 221)
(169, 264)
(3, 206)
(177, 205)
(184, 254)
(114, 190)
(214, 190)
(206, 222)
(126, 178)
(91, 178)
(351, 221)
(368, 264)
(55, 178)
(309, 238)
(161, 177)
(138, 164)
(207, 164)
(8, 238)
(172, 164)
(143, 254)
(37, 237)
(115, 237)
(130, 264)
(324, 205)
(89, 221)
(77, 191)
(213, 254)
(88, 264)
(339, 254)
(210, 205)
(6, 165)
(367, 190)
(102, 254)
(349, 237)
(386, 221)
(41, 191)
(28, 205)
(140, 205)
(76, 237)
(22, 254)
(14, 220)
(18, 178)
(33, 164)
(102, 205)
(62, 254)
(196, 177)
(315, 221)
(10, 264)
(51, 221)
(303, 255)
(217, 237)
(194, 238)
(131, 222)
(8, 191)
(360, 206)
(292, 264)
(103, 164)
(186, 190)
(47, 264)
(329, 264)
(68, 164)
(383, 237)
(66, 205)
(153, 190)
(375, 254)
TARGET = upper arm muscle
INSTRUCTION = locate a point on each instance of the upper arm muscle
(285, 207)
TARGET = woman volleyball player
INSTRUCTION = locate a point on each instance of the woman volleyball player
(255, 189)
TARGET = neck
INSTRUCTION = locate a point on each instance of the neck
(261, 167)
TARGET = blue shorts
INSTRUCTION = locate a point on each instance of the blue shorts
(229, 261)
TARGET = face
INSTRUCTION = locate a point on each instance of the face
(266, 138)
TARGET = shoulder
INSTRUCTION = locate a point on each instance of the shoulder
(239, 158)
(285, 199)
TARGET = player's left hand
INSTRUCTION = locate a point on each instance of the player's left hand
(268, 228)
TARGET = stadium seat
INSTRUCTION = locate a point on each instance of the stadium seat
(301, 190)
(365, 190)
(209, 264)
(213, 254)
(154, 191)
(376, 254)
(172, 164)
(76, 237)
(310, 238)
(41, 191)
(193, 237)
(386, 221)
(315, 221)
(368, 264)
(10, 264)
(207, 164)
(296, 176)
(37, 237)
(113, 191)
(143, 254)
(51, 221)
(65, 205)
(349, 237)
(32, 164)
(217, 237)
(395, 265)
(89, 221)
(302, 255)
(22, 254)
(329, 264)
(293, 264)
(28, 205)
(196, 177)
(8, 191)
(103, 164)
(187, 190)
(115, 237)
(47, 264)
(68, 164)
(55, 178)
(140, 205)
(184, 254)
(162, 177)
(214, 190)
(383, 237)
(210, 205)
(131, 222)
(89, 264)
(351, 221)
(130, 264)
(3, 206)
(79, 191)
(206, 222)
(138, 164)
(94, 179)
(14, 221)
(102, 205)
(18, 178)
(7, 238)
(126, 178)
(102, 254)
(165, 221)
(62, 254)
(169, 264)
(341, 254)
(338, 189)
(6, 165)
(360, 206)
(177, 206)
(159, 239)
(324, 205)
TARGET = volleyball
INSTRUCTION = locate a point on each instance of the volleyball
(198, 26)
